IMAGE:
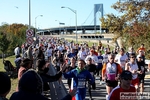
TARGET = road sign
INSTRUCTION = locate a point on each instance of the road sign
(29, 40)
(29, 33)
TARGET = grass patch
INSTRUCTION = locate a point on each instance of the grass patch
(14, 82)
(91, 43)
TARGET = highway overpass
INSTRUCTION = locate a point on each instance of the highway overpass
(70, 29)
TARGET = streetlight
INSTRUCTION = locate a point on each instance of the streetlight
(74, 11)
(29, 15)
(35, 22)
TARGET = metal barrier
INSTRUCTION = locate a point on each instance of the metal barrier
(56, 93)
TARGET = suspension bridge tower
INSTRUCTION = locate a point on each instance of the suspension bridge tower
(97, 8)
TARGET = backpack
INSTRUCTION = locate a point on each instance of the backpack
(8, 66)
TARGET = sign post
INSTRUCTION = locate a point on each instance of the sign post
(29, 36)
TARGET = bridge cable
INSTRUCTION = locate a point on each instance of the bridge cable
(87, 17)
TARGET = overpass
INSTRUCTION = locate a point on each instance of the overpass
(69, 29)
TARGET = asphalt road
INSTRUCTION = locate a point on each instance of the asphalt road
(57, 93)
(100, 92)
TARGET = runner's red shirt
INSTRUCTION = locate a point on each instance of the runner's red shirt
(115, 93)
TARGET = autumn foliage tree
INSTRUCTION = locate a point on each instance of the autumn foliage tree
(131, 24)
(15, 33)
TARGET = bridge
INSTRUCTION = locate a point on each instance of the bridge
(70, 29)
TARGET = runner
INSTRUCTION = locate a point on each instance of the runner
(110, 73)
(80, 75)
(93, 57)
(81, 54)
(92, 69)
(133, 68)
(143, 50)
(124, 87)
(105, 56)
(141, 74)
(121, 58)
(69, 68)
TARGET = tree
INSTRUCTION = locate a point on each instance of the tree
(132, 23)
(15, 33)
(4, 43)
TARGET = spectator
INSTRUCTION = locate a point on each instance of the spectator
(30, 87)
(29, 53)
(18, 61)
(17, 50)
(24, 66)
(5, 85)
(43, 69)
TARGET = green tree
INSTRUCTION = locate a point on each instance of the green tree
(132, 23)
(4, 43)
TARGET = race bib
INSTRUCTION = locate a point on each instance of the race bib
(122, 63)
(111, 76)
(81, 83)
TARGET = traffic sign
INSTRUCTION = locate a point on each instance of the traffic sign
(29, 40)
(29, 33)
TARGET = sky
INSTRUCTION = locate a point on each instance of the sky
(17, 11)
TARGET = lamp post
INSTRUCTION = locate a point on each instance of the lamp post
(29, 15)
(74, 11)
(35, 22)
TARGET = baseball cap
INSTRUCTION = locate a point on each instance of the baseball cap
(126, 74)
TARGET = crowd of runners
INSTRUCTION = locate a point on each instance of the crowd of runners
(121, 69)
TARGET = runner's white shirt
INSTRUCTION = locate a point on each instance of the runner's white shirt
(121, 59)
(105, 58)
(94, 59)
(82, 55)
(133, 67)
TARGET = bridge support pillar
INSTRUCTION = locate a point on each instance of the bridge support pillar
(83, 31)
